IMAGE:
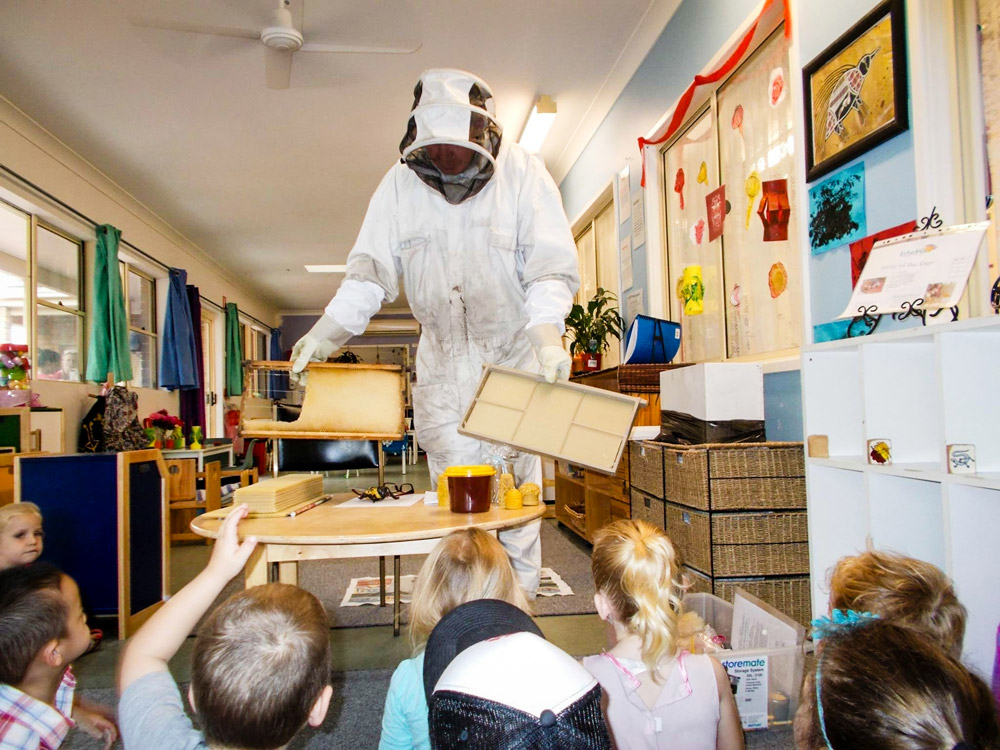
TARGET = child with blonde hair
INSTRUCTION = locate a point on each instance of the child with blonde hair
(466, 565)
(903, 590)
(657, 696)
(20, 534)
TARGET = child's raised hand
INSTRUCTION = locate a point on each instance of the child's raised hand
(229, 555)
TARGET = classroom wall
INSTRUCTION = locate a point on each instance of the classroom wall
(29, 150)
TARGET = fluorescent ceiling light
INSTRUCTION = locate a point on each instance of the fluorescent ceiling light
(543, 114)
(326, 269)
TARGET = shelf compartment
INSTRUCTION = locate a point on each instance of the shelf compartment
(902, 399)
(969, 363)
(838, 523)
(832, 401)
(907, 517)
(973, 531)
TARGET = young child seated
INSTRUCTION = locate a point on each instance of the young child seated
(905, 591)
(261, 662)
(465, 565)
(20, 534)
(880, 685)
(657, 695)
(42, 630)
(495, 683)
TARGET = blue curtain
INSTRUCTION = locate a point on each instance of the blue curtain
(107, 350)
(178, 353)
(278, 384)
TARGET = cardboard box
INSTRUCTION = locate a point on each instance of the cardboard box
(714, 391)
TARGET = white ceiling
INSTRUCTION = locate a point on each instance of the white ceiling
(268, 180)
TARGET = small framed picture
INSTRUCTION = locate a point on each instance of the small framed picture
(880, 452)
(961, 458)
(855, 91)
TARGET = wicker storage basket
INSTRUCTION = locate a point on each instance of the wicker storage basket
(788, 594)
(740, 544)
(646, 467)
(735, 476)
(642, 378)
(647, 508)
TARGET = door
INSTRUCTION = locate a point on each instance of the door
(208, 353)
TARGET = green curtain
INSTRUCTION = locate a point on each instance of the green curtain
(234, 351)
(107, 350)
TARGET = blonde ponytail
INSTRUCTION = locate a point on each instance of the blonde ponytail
(636, 568)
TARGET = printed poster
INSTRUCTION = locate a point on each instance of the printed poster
(638, 223)
(930, 266)
(624, 201)
(748, 680)
(837, 210)
(626, 259)
(861, 249)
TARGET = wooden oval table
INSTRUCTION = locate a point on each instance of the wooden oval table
(330, 531)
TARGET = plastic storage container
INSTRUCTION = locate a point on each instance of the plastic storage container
(469, 488)
(783, 665)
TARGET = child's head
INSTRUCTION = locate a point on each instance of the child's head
(20, 534)
(465, 565)
(261, 664)
(637, 578)
(902, 590)
(885, 686)
(41, 621)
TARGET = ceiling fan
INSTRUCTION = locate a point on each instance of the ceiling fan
(282, 38)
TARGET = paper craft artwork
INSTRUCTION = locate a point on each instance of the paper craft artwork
(752, 188)
(679, 185)
(693, 291)
(774, 210)
(837, 210)
(703, 174)
(928, 270)
(716, 204)
(880, 452)
(961, 458)
(833, 331)
(737, 124)
(698, 231)
(861, 249)
(736, 296)
(776, 87)
(777, 280)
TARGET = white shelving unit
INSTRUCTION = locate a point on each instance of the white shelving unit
(922, 389)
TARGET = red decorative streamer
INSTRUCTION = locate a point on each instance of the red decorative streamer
(716, 75)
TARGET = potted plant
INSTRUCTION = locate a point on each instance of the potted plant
(591, 328)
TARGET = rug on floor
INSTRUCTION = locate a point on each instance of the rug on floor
(365, 591)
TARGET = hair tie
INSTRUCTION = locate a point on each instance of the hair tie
(839, 621)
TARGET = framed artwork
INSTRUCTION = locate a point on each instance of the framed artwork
(856, 91)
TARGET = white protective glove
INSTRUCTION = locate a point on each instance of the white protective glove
(555, 360)
(323, 339)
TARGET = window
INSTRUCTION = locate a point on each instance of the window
(737, 293)
(140, 309)
(15, 241)
(255, 348)
(58, 306)
(597, 248)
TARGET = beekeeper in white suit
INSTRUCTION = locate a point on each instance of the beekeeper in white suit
(477, 232)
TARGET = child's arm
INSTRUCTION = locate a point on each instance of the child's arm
(730, 734)
(158, 640)
(96, 720)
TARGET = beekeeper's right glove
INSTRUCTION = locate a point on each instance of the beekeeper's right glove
(323, 339)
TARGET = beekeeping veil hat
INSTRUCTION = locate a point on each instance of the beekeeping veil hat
(452, 108)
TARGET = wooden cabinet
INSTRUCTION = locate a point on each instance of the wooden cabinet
(587, 500)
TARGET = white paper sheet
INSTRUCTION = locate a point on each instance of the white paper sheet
(626, 259)
(638, 223)
(633, 304)
(757, 624)
(624, 202)
(390, 502)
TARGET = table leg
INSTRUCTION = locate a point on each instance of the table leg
(397, 594)
(381, 581)
(255, 572)
(288, 572)
(381, 464)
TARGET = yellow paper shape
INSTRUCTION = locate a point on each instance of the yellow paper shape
(693, 291)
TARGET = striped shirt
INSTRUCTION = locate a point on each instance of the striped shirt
(30, 724)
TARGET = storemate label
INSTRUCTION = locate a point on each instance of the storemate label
(748, 680)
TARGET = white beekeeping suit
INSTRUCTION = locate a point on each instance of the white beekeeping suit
(478, 234)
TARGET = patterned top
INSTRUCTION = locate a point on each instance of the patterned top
(29, 724)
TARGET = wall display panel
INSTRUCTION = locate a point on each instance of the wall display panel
(691, 170)
(762, 267)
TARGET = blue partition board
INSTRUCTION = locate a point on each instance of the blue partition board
(78, 495)
(145, 535)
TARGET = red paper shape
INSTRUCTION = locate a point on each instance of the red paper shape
(861, 249)
(715, 202)
(774, 210)
(679, 186)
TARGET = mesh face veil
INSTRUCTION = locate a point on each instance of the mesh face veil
(452, 138)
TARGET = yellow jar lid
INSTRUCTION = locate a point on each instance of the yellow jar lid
(469, 471)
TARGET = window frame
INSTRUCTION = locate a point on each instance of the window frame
(125, 268)
(35, 300)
